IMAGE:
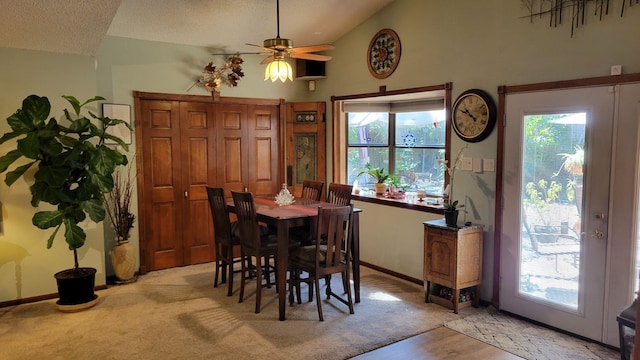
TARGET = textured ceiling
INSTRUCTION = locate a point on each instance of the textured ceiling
(78, 26)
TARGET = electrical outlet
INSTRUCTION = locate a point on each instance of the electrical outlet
(616, 69)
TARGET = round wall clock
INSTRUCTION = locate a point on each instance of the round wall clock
(384, 53)
(473, 115)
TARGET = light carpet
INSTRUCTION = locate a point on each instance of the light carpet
(528, 340)
(178, 314)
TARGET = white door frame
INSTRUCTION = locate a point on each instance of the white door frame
(622, 214)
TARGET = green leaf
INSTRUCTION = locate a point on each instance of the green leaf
(8, 159)
(47, 219)
(95, 98)
(52, 237)
(9, 136)
(74, 102)
(73, 234)
(104, 183)
(117, 140)
(20, 123)
(36, 109)
(14, 175)
(95, 209)
(30, 146)
(80, 125)
(53, 175)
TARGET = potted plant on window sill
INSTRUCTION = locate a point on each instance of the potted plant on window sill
(73, 172)
(379, 175)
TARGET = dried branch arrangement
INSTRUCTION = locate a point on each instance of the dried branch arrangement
(579, 9)
(118, 203)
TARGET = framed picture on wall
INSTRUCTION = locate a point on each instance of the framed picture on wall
(122, 112)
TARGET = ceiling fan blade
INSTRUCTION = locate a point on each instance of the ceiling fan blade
(312, 48)
(261, 47)
(239, 53)
(315, 57)
(268, 59)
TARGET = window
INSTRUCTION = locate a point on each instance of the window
(406, 140)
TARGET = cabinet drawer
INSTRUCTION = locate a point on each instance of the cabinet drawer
(441, 234)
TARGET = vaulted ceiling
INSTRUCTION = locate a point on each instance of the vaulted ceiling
(78, 26)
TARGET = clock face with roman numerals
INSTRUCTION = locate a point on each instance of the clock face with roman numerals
(473, 115)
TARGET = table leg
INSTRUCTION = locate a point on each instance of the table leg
(283, 260)
(355, 252)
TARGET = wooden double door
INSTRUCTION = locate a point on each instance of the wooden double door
(185, 143)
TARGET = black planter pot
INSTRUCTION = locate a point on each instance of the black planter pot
(76, 288)
(451, 217)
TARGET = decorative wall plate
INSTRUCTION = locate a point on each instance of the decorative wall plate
(383, 54)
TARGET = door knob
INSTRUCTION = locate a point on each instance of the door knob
(600, 216)
(598, 234)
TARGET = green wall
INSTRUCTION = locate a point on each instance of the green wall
(473, 44)
(26, 265)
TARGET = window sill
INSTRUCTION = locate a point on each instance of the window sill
(400, 203)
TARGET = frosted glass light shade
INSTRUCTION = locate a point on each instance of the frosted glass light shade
(278, 69)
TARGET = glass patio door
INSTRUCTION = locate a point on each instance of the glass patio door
(556, 196)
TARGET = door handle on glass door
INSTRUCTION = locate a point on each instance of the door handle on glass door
(600, 216)
(598, 234)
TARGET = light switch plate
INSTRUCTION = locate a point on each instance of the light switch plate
(488, 165)
(477, 165)
(466, 164)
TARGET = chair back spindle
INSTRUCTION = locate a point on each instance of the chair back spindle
(312, 189)
(339, 194)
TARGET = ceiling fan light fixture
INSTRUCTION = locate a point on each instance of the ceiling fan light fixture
(278, 69)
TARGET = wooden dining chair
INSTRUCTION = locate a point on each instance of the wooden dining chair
(226, 236)
(324, 258)
(312, 189)
(253, 244)
(339, 194)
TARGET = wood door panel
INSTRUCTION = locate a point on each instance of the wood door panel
(185, 143)
(198, 139)
(263, 149)
(232, 168)
(200, 243)
(161, 169)
(161, 164)
(164, 253)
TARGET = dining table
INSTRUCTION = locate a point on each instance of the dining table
(300, 214)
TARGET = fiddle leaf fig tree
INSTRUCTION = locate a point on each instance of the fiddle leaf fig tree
(74, 168)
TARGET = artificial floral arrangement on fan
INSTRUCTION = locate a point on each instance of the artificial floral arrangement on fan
(450, 204)
(229, 74)
(118, 204)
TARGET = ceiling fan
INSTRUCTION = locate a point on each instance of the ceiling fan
(277, 48)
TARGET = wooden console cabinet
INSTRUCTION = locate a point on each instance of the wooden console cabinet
(453, 259)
